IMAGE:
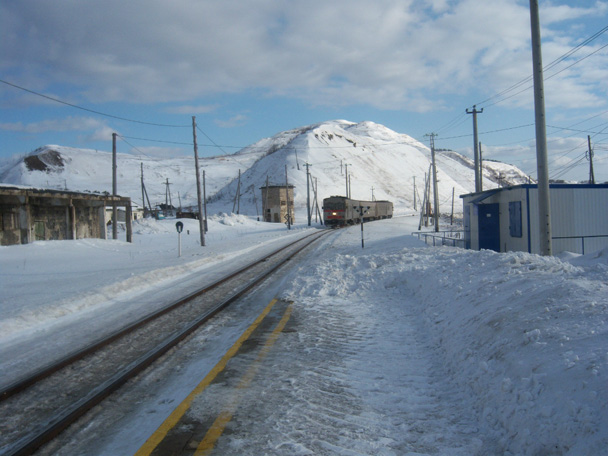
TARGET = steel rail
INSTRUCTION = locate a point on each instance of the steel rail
(40, 374)
(31, 442)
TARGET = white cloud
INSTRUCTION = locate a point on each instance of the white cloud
(192, 109)
(234, 121)
(54, 125)
(391, 54)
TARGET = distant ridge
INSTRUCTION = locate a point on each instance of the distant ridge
(379, 160)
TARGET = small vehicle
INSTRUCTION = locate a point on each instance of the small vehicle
(341, 211)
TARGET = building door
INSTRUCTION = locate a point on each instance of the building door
(39, 231)
(489, 227)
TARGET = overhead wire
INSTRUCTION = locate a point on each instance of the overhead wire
(93, 111)
(546, 68)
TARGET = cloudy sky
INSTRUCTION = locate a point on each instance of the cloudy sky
(250, 69)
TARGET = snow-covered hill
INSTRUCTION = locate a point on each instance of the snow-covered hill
(378, 160)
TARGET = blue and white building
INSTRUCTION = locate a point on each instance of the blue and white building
(506, 219)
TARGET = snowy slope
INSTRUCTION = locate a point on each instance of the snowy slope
(376, 157)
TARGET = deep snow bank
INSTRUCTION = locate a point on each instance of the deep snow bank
(524, 337)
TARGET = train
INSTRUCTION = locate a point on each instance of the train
(341, 211)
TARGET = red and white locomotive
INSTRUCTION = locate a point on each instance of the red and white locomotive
(340, 211)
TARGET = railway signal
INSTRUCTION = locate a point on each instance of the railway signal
(179, 226)
(361, 210)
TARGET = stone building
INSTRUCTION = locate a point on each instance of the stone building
(274, 203)
(29, 214)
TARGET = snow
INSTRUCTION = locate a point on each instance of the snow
(389, 162)
(445, 351)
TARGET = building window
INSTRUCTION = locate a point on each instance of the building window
(7, 221)
(515, 219)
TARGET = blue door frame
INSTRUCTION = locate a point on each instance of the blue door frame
(489, 227)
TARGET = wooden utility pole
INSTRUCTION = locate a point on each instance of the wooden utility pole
(475, 148)
(544, 203)
(114, 190)
(591, 174)
(198, 185)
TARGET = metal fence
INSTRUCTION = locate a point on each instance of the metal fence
(592, 243)
(451, 238)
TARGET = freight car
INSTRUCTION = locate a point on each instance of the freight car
(340, 211)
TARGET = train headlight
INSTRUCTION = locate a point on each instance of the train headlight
(334, 213)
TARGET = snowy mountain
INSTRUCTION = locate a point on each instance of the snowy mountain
(379, 160)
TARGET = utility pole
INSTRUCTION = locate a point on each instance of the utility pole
(415, 193)
(480, 168)
(205, 202)
(423, 209)
(544, 203)
(168, 202)
(318, 215)
(237, 197)
(346, 168)
(435, 192)
(591, 174)
(114, 190)
(475, 148)
(198, 185)
(144, 192)
(266, 205)
(308, 192)
(452, 216)
(373, 197)
(287, 199)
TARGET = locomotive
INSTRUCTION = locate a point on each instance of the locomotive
(340, 211)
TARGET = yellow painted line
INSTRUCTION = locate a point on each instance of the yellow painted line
(155, 439)
(217, 428)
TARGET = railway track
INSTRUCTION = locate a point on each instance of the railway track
(37, 408)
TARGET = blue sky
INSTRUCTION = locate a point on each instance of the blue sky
(250, 69)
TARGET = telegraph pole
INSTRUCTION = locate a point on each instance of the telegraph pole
(308, 192)
(544, 204)
(114, 190)
(143, 200)
(480, 168)
(287, 199)
(475, 148)
(198, 185)
(415, 193)
(591, 174)
(205, 201)
(168, 202)
(435, 192)
(346, 172)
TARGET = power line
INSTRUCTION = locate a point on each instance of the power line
(547, 67)
(57, 100)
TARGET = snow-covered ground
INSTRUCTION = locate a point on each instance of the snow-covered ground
(434, 350)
